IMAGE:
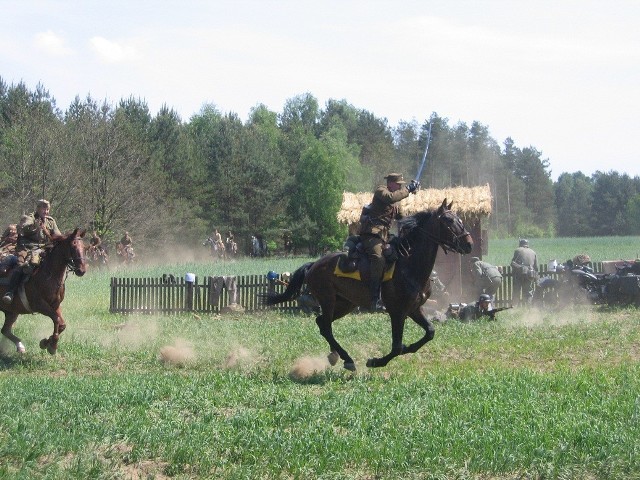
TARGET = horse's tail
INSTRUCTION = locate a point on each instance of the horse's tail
(293, 287)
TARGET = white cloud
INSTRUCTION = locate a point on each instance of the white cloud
(112, 52)
(52, 44)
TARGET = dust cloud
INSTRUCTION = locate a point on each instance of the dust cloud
(306, 367)
(241, 357)
(137, 331)
(180, 353)
(535, 318)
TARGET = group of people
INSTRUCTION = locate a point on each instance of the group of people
(375, 224)
(219, 248)
(97, 253)
(31, 235)
(487, 280)
(22, 245)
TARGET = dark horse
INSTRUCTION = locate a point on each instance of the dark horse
(44, 291)
(420, 237)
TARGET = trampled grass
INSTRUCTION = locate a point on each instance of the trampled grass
(532, 395)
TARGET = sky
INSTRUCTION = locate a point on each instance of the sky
(562, 76)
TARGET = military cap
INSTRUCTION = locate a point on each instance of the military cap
(524, 242)
(395, 177)
(484, 298)
(43, 203)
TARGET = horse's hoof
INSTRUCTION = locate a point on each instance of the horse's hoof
(52, 350)
(43, 343)
(20, 347)
(350, 366)
(333, 358)
(372, 363)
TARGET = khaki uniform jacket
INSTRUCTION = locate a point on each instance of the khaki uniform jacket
(382, 211)
(31, 232)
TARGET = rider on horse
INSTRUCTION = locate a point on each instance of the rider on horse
(96, 250)
(8, 247)
(124, 248)
(376, 222)
(34, 231)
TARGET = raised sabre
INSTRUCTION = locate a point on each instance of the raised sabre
(424, 157)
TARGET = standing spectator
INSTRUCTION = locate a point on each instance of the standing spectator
(486, 277)
(524, 266)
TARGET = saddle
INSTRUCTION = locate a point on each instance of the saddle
(355, 262)
(10, 263)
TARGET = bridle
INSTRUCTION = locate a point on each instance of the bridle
(455, 243)
(452, 244)
(74, 262)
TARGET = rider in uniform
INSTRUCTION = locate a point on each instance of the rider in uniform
(8, 248)
(95, 246)
(34, 231)
(376, 222)
(125, 247)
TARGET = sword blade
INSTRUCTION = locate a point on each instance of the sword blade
(424, 156)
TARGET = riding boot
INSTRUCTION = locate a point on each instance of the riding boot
(14, 282)
(374, 290)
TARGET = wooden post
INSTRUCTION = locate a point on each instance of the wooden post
(190, 279)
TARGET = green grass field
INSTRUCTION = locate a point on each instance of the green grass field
(562, 249)
(533, 395)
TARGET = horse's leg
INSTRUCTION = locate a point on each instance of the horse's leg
(51, 343)
(9, 320)
(332, 310)
(429, 332)
(397, 330)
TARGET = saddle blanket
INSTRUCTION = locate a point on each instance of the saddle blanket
(388, 274)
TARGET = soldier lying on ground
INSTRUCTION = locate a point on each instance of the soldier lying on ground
(470, 312)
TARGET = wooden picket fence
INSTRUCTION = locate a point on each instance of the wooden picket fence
(175, 295)
(160, 295)
(504, 294)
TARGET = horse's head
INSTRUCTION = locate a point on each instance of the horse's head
(452, 235)
(442, 227)
(73, 248)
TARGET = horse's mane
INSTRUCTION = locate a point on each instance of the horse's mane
(409, 227)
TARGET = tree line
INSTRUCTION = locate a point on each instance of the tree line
(112, 168)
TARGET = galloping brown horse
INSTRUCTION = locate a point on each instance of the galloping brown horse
(44, 291)
(408, 289)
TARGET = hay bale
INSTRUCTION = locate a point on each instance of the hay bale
(468, 202)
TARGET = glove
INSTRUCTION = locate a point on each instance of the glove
(413, 186)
